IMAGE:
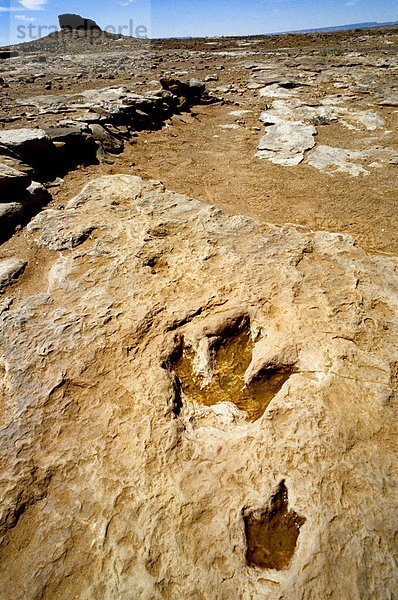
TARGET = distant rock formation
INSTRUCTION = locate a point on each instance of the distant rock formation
(76, 22)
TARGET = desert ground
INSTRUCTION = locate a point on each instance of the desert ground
(198, 304)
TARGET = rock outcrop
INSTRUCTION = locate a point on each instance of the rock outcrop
(196, 405)
(98, 123)
(76, 22)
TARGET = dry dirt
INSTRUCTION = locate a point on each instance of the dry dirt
(195, 157)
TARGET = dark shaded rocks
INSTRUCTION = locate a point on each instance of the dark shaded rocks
(4, 54)
(37, 195)
(76, 22)
(30, 145)
(105, 139)
(12, 180)
(20, 197)
(39, 59)
(15, 163)
(73, 145)
(11, 214)
(22, 210)
(192, 92)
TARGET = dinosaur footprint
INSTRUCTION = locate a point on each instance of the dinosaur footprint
(228, 358)
(272, 534)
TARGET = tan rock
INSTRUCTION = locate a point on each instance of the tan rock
(124, 477)
(10, 270)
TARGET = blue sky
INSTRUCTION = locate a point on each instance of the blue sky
(168, 18)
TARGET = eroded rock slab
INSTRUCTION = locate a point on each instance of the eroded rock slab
(285, 142)
(26, 143)
(126, 474)
(333, 160)
(10, 270)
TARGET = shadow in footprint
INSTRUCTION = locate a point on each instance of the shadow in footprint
(232, 354)
(271, 535)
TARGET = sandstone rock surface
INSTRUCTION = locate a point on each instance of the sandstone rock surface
(10, 269)
(196, 405)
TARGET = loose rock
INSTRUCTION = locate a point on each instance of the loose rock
(10, 270)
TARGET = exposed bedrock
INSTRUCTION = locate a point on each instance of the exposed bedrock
(195, 405)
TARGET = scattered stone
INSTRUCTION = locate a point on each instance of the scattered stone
(10, 270)
(276, 91)
(254, 86)
(58, 181)
(369, 119)
(285, 142)
(230, 126)
(239, 113)
(332, 160)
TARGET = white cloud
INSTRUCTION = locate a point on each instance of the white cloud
(10, 8)
(25, 19)
(33, 4)
(126, 3)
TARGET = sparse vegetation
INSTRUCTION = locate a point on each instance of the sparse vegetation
(320, 120)
(332, 52)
